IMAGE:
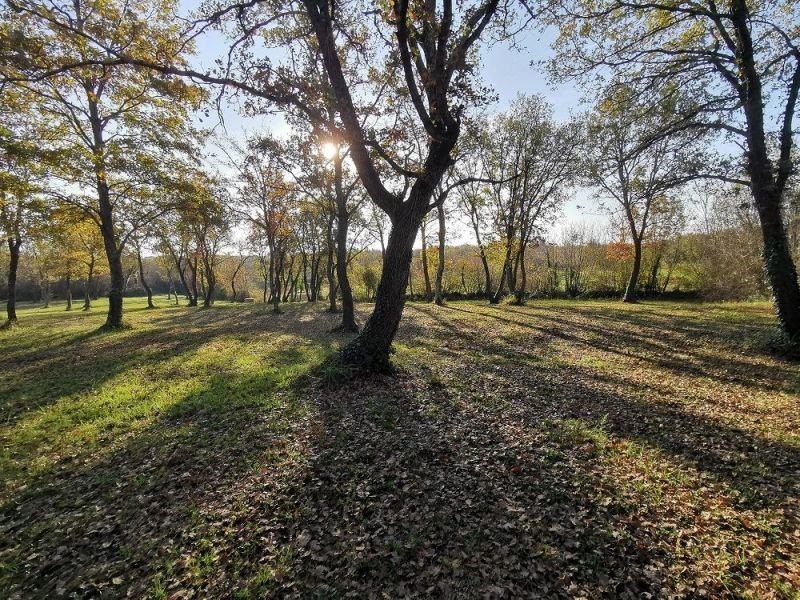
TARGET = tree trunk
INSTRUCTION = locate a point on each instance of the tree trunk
(439, 296)
(331, 268)
(193, 293)
(46, 293)
(69, 292)
(342, 225)
(780, 267)
(503, 276)
(487, 274)
(142, 279)
(633, 280)
(87, 298)
(107, 227)
(766, 188)
(371, 349)
(425, 274)
(14, 244)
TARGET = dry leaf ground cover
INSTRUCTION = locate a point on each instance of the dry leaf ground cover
(563, 449)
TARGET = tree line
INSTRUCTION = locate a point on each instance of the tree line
(390, 138)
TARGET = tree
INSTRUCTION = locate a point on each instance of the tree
(24, 162)
(634, 170)
(433, 45)
(137, 241)
(126, 126)
(531, 159)
(736, 66)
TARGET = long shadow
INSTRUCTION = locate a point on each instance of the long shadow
(469, 487)
(138, 514)
(82, 361)
(763, 471)
(660, 352)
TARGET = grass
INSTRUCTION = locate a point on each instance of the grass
(560, 449)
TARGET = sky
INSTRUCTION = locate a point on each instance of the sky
(508, 71)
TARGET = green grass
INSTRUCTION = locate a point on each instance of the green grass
(567, 448)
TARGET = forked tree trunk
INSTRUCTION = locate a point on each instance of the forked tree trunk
(371, 348)
(14, 244)
(504, 275)
(633, 280)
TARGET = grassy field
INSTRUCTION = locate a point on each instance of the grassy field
(563, 449)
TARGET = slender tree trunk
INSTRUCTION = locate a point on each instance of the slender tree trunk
(69, 292)
(342, 225)
(439, 296)
(633, 280)
(425, 273)
(87, 298)
(304, 257)
(487, 274)
(14, 244)
(331, 269)
(46, 293)
(211, 282)
(181, 275)
(142, 279)
(193, 293)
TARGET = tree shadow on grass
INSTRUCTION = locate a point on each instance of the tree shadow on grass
(763, 471)
(121, 520)
(39, 375)
(655, 343)
(488, 478)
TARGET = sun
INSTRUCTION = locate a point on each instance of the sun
(328, 150)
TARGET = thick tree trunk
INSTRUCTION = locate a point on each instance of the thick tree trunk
(14, 244)
(107, 228)
(117, 277)
(778, 263)
(371, 349)
(633, 280)
(439, 296)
